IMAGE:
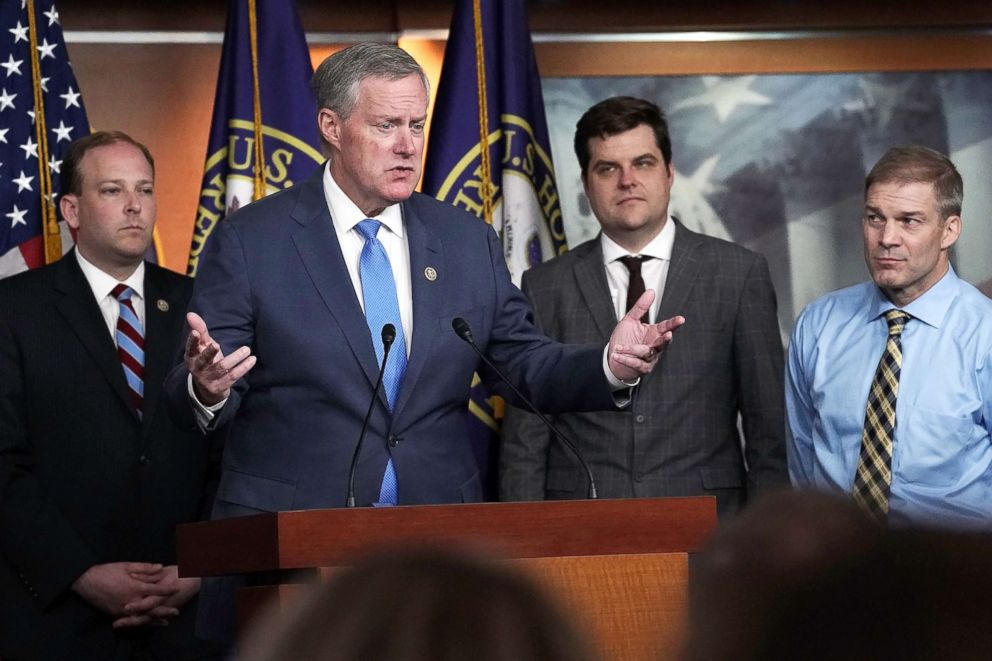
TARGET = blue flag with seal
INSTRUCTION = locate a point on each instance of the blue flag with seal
(490, 155)
(263, 138)
(41, 113)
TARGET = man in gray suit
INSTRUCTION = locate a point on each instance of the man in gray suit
(680, 436)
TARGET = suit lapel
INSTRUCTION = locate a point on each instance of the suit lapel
(80, 310)
(318, 246)
(590, 280)
(425, 252)
(162, 307)
(681, 272)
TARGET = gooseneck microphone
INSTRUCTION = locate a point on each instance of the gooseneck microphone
(464, 331)
(388, 335)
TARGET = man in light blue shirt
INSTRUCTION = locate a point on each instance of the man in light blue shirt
(933, 463)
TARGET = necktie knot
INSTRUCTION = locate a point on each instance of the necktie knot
(369, 228)
(897, 320)
(122, 292)
(633, 263)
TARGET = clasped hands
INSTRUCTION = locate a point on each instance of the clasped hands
(635, 346)
(136, 593)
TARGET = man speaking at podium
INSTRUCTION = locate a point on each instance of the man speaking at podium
(294, 290)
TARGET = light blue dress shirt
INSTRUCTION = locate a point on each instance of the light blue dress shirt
(942, 451)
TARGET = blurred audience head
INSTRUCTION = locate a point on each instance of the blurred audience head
(808, 576)
(424, 606)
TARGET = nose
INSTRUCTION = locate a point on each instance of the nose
(133, 202)
(404, 144)
(626, 179)
(890, 235)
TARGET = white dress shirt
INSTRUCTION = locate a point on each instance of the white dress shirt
(346, 215)
(654, 271)
(102, 284)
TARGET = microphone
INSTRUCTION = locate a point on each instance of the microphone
(388, 335)
(464, 331)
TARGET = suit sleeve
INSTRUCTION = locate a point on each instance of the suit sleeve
(758, 358)
(556, 377)
(222, 297)
(37, 540)
(523, 457)
(800, 410)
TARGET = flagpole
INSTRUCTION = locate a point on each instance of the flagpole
(480, 74)
(259, 178)
(49, 221)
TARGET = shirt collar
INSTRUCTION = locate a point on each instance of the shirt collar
(660, 247)
(345, 214)
(929, 308)
(103, 283)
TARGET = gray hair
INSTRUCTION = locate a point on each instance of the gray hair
(335, 82)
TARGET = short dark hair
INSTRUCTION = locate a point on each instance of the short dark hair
(616, 115)
(921, 165)
(72, 177)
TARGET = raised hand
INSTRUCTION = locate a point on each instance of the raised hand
(213, 373)
(635, 346)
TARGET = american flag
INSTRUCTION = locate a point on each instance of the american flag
(777, 162)
(22, 154)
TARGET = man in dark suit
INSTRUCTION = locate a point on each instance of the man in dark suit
(297, 287)
(94, 476)
(679, 436)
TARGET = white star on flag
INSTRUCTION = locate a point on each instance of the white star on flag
(3, 135)
(56, 166)
(63, 131)
(6, 99)
(725, 95)
(12, 66)
(20, 32)
(53, 15)
(17, 217)
(30, 148)
(46, 49)
(71, 97)
(23, 182)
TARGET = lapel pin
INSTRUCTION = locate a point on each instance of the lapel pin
(162, 304)
(430, 273)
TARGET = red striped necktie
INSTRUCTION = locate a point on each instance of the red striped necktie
(130, 338)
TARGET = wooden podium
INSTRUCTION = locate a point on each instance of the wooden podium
(621, 566)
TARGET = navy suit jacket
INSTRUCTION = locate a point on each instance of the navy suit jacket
(83, 479)
(273, 278)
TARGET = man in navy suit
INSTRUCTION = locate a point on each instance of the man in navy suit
(94, 474)
(282, 291)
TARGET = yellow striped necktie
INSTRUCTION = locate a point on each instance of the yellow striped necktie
(873, 479)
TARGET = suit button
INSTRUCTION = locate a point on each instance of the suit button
(639, 418)
(394, 440)
(144, 461)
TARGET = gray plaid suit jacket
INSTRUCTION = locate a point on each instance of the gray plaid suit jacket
(680, 435)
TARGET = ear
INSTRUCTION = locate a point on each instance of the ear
(671, 172)
(329, 124)
(69, 205)
(951, 232)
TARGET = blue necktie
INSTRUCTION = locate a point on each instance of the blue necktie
(381, 308)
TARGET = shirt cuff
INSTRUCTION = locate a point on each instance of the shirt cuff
(204, 414)
(621, 389)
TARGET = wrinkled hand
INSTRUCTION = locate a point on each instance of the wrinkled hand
(635, 346)
(213, 373)
(112, 587)
(153, 609)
